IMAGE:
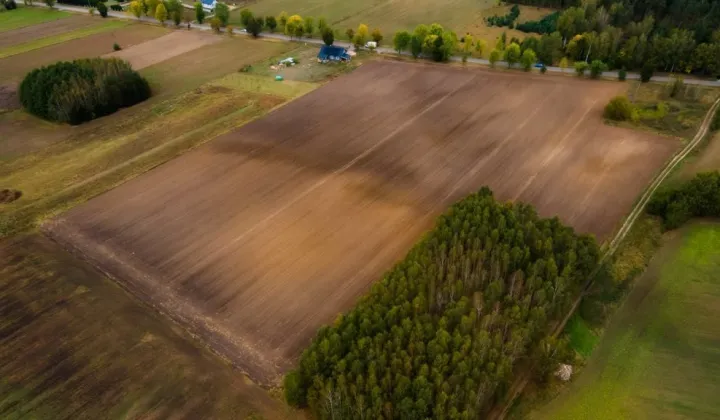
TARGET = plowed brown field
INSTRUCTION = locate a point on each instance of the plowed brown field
(261, 236)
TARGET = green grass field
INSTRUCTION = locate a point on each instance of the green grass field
(26, 16)
(660, 356)
(104, 25)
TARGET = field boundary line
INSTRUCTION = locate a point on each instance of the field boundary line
(517, 388)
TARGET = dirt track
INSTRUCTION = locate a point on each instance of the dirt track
(263, 235)
(163, 48)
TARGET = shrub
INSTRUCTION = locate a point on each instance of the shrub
(82, 90)
(715, 124)
(215, 24)
(622, 75)
(10, 5)
(102, 9)
(84, 3)
(543, 69)
(676, 86)
(646, 72)
(619, 109)
(699, 197)
(580, 67)
(475, 299)
(116, 8)
(116, 47)
(597, 68)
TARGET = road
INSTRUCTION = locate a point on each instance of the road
(382, 50)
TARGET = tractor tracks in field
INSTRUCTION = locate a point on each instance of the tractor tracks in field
(517, 387)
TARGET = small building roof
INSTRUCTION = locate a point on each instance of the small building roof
(327, 51)
(208, 2)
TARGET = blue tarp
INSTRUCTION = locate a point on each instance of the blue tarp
(331, 52)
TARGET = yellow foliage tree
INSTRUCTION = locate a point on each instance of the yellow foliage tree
(152, 6)
(362, 33)
(161, 13)
(293, 23)
(563, 64)
(135, 9)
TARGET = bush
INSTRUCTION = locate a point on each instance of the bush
(543, 69)
(699, 197)
(676, 86)
(546, 25)
(215, 24)
(475, 299)
(622, 75)
(646, 72)
(620, 109)
(116, 8)
(580, 67)
(597, 68)
(84, 3)
(715, 124)
(10, 5)
(116, 47)
(82, 90)
(102, 9)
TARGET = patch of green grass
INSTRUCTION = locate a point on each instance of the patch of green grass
(27, 16)
(265, 85)
(105, 25)
(582, 338)
(659, 357)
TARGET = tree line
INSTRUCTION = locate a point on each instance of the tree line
(673, 35)
(699, 197)
(440, 335)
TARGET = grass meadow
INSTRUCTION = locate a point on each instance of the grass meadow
(659, 357)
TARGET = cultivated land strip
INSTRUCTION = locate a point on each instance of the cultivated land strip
(520, 384)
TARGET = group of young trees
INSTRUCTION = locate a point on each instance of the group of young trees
(431, 41)
(673, 35)
(160, 10)
(440, 335)
(699, 197)
(81, 90)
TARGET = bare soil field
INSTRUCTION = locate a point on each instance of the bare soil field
(163, 48)
(15, 67)
(43, 30)
(259, 237)
(76, 346)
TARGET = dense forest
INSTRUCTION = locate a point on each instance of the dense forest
(442, 333)
(669, 35)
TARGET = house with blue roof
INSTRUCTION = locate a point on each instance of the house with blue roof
(332, 53)
(209, 5)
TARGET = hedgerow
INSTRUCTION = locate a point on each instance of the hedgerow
(699, 197)
(440, 335)
(82, 90)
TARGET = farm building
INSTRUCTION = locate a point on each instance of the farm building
(332, 53)
(209, 5)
